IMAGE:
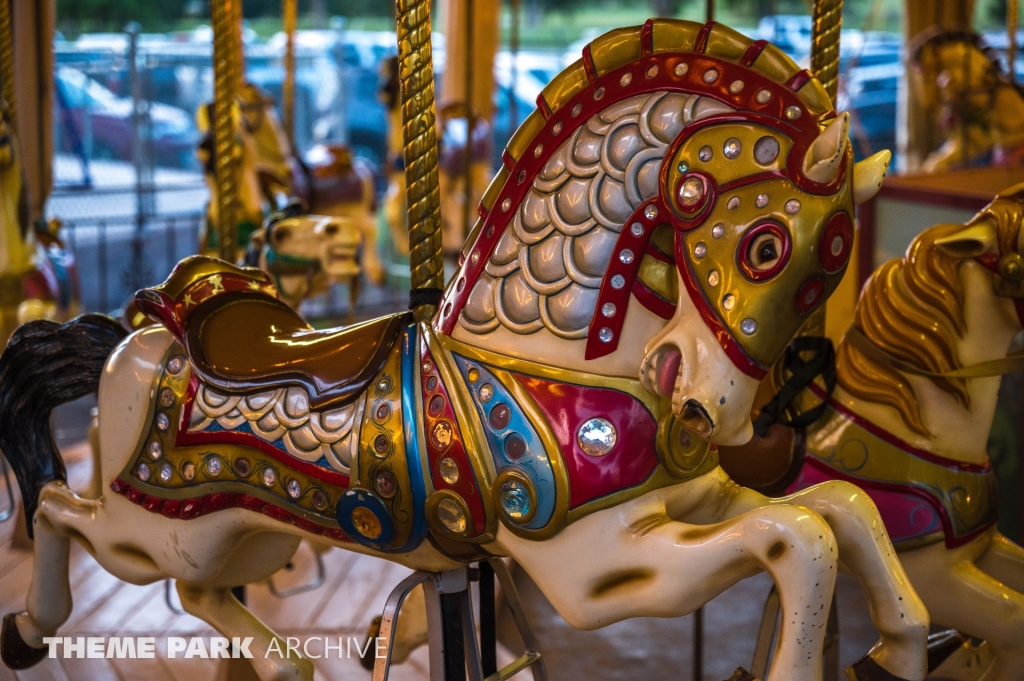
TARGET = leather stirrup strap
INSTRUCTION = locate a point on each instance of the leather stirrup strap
(802, 372)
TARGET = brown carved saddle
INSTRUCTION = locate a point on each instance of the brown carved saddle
(240, 338)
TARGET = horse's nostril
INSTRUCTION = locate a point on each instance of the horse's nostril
(695, 418)
(331, 230)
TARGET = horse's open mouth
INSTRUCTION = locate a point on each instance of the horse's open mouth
(661, 370)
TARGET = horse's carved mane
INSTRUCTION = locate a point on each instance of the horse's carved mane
(912, 308)
(529, 283)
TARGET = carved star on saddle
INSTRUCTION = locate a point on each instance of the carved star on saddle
(254, 286)
(217, 283)
(188, 300)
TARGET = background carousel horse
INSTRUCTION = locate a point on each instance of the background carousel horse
(333, 182)
(394, 212)
(549, 412)
(38, 277)
(918, 376)
(980, 109)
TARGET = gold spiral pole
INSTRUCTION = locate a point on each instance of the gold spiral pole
(7, 59)
(227, 50)
(827, 19)
(423, 200)
(290, 12)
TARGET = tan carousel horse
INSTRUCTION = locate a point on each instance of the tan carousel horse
(38, 277)
(562, 408)
(980, 109)
(337, 184)
(918, 376)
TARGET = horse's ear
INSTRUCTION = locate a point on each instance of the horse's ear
(824, 157)
(971, 241)
(869, 174)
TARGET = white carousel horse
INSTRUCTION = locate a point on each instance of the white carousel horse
(38, 277)
(551, 410)
(918, 376)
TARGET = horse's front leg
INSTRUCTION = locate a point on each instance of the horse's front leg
(866, 551)
(635, 561)
(221, 610)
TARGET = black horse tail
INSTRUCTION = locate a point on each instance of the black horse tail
(47, 364)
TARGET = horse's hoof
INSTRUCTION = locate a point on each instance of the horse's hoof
(742, 674)
(15, 653)
(941, 645)
(866, 669)
(369, 658)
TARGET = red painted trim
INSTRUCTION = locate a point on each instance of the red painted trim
(588, 64)
(657, 254)
(753, 52)
(647, 38)
(798, 80)
(187, 509)
(947, 527)
(185, 439)
(739, 357)
(803, 131)
(507, 160)
(888, 437)
(702, 37)
(543, 106)
(652, 301)
(865, 240)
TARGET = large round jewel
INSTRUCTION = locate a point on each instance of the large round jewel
(596, 437)
(500, 416)
(515, 499)
(451, 516)
(691, 192)
(365, 522)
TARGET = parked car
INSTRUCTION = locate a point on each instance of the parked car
(92, 120)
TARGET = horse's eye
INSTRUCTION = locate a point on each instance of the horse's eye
(281, 234)
(764, 252)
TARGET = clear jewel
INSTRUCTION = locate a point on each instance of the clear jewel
(162, 421)
(700, 250)
(175, 365)
(214, 466)
(506, 204)
(710, 76)
(736, 87)
(793, 112)
(599, 93)
(596, 437)
(626, 256)
(761, 201)
(837, 245)
(608, 309)
(156, 450)
(652, 70)
(605, 335)
(539, 149)
(448, 469)
(766, 150)
(166, 397)
(748, 326)
(705, 153)
(681, 69)
(577, 109)
(636, 229)
(556, 128)
(651, 212)
(691, 192)
(451, 515)
(729, 301)
(618, 281)
(515, 499)
(142, 470)
(294, 488)
(713, 278)
(792, 207)
(486, 392)
(269, 477)
(626, 79)
(732, 148)
(718, 231)
(734, 203)
(165, 472)
(763, 96)
(683, 166)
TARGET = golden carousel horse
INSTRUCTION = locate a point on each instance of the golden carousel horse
(335, 184)
(664, 223)
(916, 381)
(38, 277)
(980, 109)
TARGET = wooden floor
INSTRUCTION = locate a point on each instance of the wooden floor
(353, 592)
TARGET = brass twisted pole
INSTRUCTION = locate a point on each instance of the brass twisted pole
(290, 10)
(827, 19)
(7, 59)
(423, 199)
(227, 49)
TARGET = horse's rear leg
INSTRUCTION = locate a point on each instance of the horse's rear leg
(221, 610)
(1004, 560)
(48, 604)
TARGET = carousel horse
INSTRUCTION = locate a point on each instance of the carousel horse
(393, 207)
(918, 376)
(561, 408)
(305, 254)
(332, 183)
(980, 109)
(38, 277)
